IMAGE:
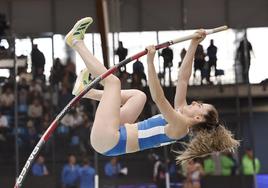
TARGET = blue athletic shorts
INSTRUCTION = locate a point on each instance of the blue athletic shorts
(151, 133)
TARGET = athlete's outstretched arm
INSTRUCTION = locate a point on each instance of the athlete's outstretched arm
(185, 70)
(157, 92)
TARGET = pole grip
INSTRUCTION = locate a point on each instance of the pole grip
(208, 32)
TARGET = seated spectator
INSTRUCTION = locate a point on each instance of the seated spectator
(72, 119)
(3, 127)
(35, 95)
(7, 100)
(83, 132)
(112, 168)
(39, 168)
(35, 87)
(194, 172)
(65, 96)
(31, 136)
(247, 163)
(23, 83)
(227, 164)
(45, 122)
(209, 166)
(63, 137)
(3, 121)
(23, 101)
(47, 93)
(86, 175)
(47, 106)
(35, 111)
(70, 173)
(78, 119)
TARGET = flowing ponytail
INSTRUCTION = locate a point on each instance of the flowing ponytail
(208, 137)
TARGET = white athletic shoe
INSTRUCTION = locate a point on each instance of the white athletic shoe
(81, 81)
(78, 31)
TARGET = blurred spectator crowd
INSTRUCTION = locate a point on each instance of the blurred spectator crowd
(38, 102)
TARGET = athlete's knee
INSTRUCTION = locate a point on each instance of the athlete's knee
(112, 80)
(139, 95)
(142, 96)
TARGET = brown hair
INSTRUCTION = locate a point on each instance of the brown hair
(208, 137)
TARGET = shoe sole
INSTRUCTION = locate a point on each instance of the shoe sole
(78, 30)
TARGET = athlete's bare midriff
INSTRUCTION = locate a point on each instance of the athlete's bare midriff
(132, 135)
(132, 138)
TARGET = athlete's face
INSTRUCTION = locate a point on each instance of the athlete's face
(197, 110)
